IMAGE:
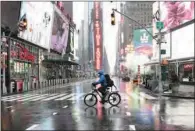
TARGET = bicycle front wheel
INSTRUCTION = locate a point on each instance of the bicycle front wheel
(114, 99)
(90, 100)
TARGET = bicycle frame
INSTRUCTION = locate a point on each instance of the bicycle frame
(96, 90)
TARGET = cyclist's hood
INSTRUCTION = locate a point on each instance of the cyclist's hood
(100, 73)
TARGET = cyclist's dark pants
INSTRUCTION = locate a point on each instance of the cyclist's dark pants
(102, 90)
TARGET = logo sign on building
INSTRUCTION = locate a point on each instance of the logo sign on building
(143, 42)
(98, 35)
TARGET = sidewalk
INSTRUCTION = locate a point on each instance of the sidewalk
(184, 91)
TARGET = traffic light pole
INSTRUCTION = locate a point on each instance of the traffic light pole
(159, 41)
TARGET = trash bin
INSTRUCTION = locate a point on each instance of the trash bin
(19, 85)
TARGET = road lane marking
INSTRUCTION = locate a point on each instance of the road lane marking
(40, 98)
(128, 113)
(146, 96)
(32, 98)
(54, 97)
(32, 127)
(19, 98)
(76, 97)
(132, 127)
(65, 106)
(55, 113)
(65, 97)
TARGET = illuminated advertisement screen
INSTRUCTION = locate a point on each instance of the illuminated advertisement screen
(143, 41)
(60, 32)
(98, 35)
(183, 42)
(39, 22)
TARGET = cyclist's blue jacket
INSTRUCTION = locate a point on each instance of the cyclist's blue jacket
(102, 79)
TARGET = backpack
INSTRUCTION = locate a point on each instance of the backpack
(109, 82)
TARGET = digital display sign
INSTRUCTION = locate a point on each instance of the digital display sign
(98, 35)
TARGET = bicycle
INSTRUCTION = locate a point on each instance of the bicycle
(110, 95)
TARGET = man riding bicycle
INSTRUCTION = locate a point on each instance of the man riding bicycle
(102, 81)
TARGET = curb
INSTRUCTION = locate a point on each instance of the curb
(182, 97)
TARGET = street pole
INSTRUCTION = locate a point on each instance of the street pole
(159, 42)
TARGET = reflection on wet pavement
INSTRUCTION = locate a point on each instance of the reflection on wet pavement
(135, 111)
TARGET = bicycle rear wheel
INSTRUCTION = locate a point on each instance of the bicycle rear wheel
(114, 99)
(90, 100)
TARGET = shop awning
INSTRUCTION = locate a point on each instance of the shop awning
(60, 61)
(187, 59)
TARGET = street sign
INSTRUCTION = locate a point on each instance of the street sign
(162, 52)
(159, 25)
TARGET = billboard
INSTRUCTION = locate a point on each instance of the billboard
(39, 23)
(183, 10)
(60, 32)
(142, 42)
(98, 35)
(183, 42)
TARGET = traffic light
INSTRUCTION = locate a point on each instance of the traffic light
(22, 24)
(113, 18)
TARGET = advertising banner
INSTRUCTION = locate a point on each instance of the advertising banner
(39, 17)
(183, 42)
(60, 32)
(142, 42)
(98, 35)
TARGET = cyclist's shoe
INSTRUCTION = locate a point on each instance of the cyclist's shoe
(102, 101)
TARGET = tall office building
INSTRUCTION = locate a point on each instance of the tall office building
(139, 11)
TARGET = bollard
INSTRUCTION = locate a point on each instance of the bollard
(39, 84)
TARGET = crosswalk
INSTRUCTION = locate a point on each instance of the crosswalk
(59, 97)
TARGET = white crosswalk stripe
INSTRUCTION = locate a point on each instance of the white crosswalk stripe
(32, 98)
(65, 97)
(16, 96)
(40, 98)
(51, 97)
(77, 97)
(19, 97)
(54, 97)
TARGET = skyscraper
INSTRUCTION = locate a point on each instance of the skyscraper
(139, 11)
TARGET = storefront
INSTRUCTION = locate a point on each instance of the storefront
(24, 65)
(186, 72)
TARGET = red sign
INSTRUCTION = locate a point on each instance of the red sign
(97, 36)
(23, 54)
(188, 66)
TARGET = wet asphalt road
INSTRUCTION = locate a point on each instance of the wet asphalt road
(62, 108)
